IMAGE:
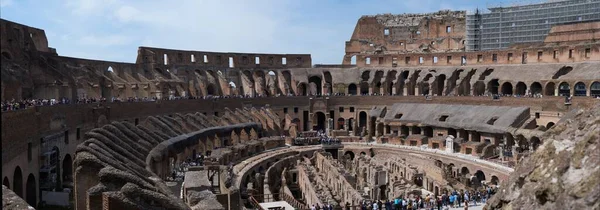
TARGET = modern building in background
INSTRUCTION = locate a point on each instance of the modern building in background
(504, 26)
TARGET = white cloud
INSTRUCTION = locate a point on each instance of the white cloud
(5, 3)
(126, 13)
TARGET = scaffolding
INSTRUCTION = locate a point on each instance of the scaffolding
(504, 26)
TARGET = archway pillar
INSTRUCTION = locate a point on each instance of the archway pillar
(556, 90)
(405, 91)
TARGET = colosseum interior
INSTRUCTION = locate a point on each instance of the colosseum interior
(408, 113)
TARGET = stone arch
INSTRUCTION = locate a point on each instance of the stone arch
(318, 82)
(320, 119)
(549, 90)
(507, 88)
(416, 130)
(363, 153)
(18, 182)
(550, 125)
(302, 89)
(380, 128)
(31, 190)
(67, 169)
(404, 130)
(377, 88)
(480, 175)
(522, 143)
(364, 88)
(535, 88)
(350, 154)
(595, 89)
(440, 83)
(535, 142)
(6, 183)
(210, 89)
(521, 89)
(362, 119)
(580, 89)
(494, 180)
(340, 122)
(564, 89)
(452, 132)
(464, 171)
(493, 86)
(428, 131)
(352, 90)
(479, 88)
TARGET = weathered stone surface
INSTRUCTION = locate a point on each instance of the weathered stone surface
(564, 173)
(11, 201)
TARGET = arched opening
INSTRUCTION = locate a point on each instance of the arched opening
(493, 86)
(18, 182)
(428, 131)
(350, 124)
(352, 89)
(580, 89)
(536, 88)
(353, 60)
(383, 192)
(424, 88)
(595, 89)
(377, 88)
(507, 88)
(67, 169)
(441, 79)
(340, 123)
(535, 142)
(363, 154)
(464, 171)
(416, 130)
(30, 192)
(550, 87)
(521, 89)
(436, 190)
(210, 90)
(452, 132)
(549, 125)
(318, 84)
(349, 155)
(380, 128)
(364, 88)
(480, 175)
(494, 180)
(404, 130)
(564, 89)
(479, 88)
(362, 119)
(302, 89)
(390, 88)
(5, 182)
(320, 121)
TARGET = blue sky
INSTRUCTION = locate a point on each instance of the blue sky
(113, 29)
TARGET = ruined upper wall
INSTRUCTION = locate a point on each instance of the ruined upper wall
(169, 57)
(431, 32)
(14, 37)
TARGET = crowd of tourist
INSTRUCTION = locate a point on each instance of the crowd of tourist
(178, 172)
(455, 199)
(11, 105)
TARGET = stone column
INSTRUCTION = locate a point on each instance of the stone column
(405, 91)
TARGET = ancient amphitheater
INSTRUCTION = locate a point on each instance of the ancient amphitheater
(409, 113)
